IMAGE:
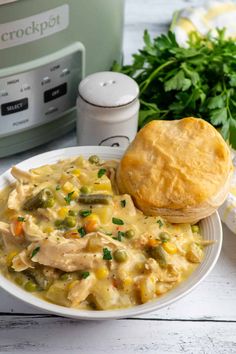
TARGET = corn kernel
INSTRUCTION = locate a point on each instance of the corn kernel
(76, 172)
(92, 216)
(169, 247)
(62, 212)
(48, 229)
(152, 242)
(75, 194)
(102, 273)
(104, 186)
(10, 257)
(68, 187)
(127, 282)
(72, 284)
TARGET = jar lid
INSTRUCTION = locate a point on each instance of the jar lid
(108, 89)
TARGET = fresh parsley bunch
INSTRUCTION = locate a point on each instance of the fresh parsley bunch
(177, 82)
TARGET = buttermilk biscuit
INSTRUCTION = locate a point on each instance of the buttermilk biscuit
(176, 169)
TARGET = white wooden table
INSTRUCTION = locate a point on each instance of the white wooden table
(203, 322)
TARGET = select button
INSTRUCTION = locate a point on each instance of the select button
(55, 92)
(14, 106)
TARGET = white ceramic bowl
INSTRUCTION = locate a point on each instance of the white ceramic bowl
(210, 227)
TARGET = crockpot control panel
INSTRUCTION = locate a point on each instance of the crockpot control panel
(40, 91)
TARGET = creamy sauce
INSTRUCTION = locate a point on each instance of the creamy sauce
(68, 237)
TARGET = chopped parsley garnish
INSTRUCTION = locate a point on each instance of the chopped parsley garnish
(117, 221)
(58, 187)
(82, 231)
(123, 203)
(120, 234)
(107, 254)
(160, 223)
(68, 198)
(85, 213)
(85, 275)
(20, 218)
(35, 251)
(101, 172)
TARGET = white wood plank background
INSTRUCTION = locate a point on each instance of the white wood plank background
(203, 322)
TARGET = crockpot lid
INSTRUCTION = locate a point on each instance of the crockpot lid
(108, 89)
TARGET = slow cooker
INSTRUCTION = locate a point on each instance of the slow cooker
(46, 48)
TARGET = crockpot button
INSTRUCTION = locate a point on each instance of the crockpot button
(65, 72)
(46, 80)
(3, 93)
(51, 110)
(26, 87)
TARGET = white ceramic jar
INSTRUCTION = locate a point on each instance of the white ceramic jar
(107, 110)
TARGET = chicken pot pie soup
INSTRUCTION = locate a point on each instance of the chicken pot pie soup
(68, 237)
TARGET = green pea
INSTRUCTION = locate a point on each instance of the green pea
(49, 203)
(195, 228)
(120, 256)
(85, 190)
(164, 236)
(129, 234)
(30, 286)
(94, 159)
(58, 223)
(20, 280)
(70, 221)
(72, 213)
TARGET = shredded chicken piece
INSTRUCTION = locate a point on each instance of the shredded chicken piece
(5, 228)
(81, 289)
(65, 254)
(32, 231)
(9, 241)
(18, 195)
(21, 176)
(22, 261)
(108, 240)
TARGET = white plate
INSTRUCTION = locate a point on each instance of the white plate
(210, 227)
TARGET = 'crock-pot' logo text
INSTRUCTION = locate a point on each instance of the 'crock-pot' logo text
(34, 27)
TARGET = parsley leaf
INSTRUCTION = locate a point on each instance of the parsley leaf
(120, 234)
(68, 198)
(101, 172)
(85, 213)
(85, 275)
(197, 80)
(58, 187)
(123, 203)
(160, 223)
(35, 251)
(21, 218)
(82, 231)
(107, 254)
(117, 221)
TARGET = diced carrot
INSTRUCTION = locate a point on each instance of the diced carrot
(18, 228)
(152, 242)
(91, 226)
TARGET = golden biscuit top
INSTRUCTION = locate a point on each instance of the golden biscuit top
(175, 164)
